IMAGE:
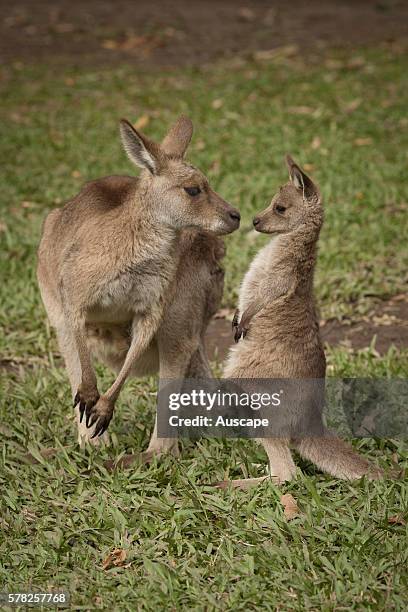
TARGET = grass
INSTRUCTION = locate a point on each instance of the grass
(190, 546)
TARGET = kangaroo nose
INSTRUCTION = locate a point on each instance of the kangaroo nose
(235, 215)
(256, 221)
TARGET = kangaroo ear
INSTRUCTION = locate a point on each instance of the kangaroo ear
(300, 180)
(178, 137)
(138, 148)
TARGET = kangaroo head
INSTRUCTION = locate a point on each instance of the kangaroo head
(177, 193)
(297, 203)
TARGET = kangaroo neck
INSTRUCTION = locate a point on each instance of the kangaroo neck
(295, 254)
(147, 228)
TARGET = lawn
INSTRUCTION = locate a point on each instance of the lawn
(190, 546)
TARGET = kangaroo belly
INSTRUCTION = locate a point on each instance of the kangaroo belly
(279, 348)
(110, 343)
(123, 296)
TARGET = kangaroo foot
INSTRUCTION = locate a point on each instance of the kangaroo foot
(139, 458)
(148, 455)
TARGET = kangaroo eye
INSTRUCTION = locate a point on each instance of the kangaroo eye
(192, 191)
(280, 209)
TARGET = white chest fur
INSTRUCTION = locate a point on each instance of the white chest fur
(257, 274)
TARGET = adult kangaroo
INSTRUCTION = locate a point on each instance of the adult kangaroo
(129, 272)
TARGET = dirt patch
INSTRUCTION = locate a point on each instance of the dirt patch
(386, 326)
(181, 32)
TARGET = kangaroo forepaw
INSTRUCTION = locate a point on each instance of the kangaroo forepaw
(240, 332)
(240, 328)
(86, 400)
(98, 414)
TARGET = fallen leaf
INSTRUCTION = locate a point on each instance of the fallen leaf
(290, 507)
(64, 28)
(29, 515)
(217, 103)
(363, 142)
(19, 118)
(301, 110)
(316, 143)
(173, 33)
(142, 122)
(200, 145)
(116, 558)
(271, 54)
(350, 107)
(398, 519)
(110, 44)
(134, 42)
(401, 297)
(246, 14)
(76, 174)
(385, 319)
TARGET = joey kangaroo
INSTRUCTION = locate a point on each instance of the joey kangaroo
(277, 322)
(129, 272)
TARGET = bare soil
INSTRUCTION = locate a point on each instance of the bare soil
(386, 326)
(188, 32)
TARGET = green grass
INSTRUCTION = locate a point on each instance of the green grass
(190, 546)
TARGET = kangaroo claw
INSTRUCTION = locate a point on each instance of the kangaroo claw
(86, 402)
(82, 407)
(102, 426)
(99, 414)
(240, 332)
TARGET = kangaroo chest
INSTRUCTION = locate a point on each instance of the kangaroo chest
(134, 289)
(258, 275)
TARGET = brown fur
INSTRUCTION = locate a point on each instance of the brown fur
(129, 272)
(280, 324)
